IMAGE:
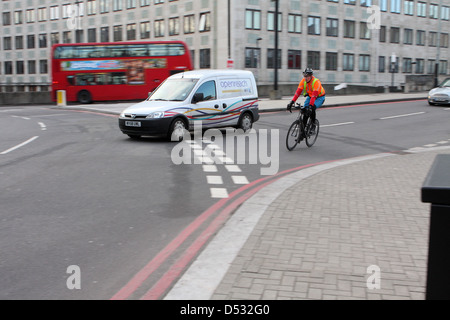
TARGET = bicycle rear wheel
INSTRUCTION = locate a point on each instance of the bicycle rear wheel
(293, 134)
(311, 138)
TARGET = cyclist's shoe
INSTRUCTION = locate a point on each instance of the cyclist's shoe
(313, 130)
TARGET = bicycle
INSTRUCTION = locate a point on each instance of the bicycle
(297, 131)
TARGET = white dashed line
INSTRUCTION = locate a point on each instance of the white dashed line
(43, 126)
(233, 168)
(209, 168)
(336, 124)
(403, 115)
(19, 145)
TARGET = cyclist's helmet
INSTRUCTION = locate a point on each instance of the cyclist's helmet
(308, 72)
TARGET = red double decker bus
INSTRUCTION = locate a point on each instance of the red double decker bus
(115, 71)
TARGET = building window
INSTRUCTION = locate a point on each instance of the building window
(205, 58)
(189, 24)
(271, 59)
(117, 33)
(92, 35)
(332, 27)
(174, 26)
(431, 66)
(420, 37)
(396, 6)
(331, 61)
(434, 9)
(408, 36)
(7, 43)
(91, 7)
(313, 60)
(131, 31)
(382, 33)
(349, 29)
(104, 34)
(366, 3)
(271, 21)
(42, 14)
(145, 30)
(314, 25)
(20, 69)
(54, 38)
(352, 2)
(31, 41)
(79, 36)
(54, 13)
(381, 63)
(8, 67)
(19, 42)
(408, 6)
(253, 19)
(407, 65)
(443, 65)
(364, 62)
(131, 4)
(421, 9)
(420, 65)
(445, 13)
(6, 18)
(444, 40)
(104, 6)
(18, 17)
(348, 62)
(205, 22)
(30, 15)
(67, 37)
(364, 31)
(432, 39)
(252, 57)
(31, 67)
(117, 5)
(43, 40)
(294, 59)
(43, 66)
(159, 28)
(395, 35)
(295, 23)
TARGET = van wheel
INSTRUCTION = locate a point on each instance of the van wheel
(84, 96)
(177, 129)
(246, 122)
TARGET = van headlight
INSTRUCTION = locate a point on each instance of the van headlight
(155, 115)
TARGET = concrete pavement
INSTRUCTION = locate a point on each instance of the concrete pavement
(348, 229)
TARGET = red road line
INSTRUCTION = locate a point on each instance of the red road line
(156, 262)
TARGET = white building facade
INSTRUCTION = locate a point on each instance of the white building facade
(344, 41)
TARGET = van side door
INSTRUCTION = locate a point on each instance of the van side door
(205, 104)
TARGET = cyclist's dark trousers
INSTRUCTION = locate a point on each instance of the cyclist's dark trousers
(313, 116)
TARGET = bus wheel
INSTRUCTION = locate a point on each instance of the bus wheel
(84, 96)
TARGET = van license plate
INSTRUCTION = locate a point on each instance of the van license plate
(133, 124)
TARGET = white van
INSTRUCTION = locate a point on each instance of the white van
(214, 98)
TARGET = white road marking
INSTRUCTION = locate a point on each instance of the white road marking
(233, 168)
(24, 118)
(442, 142)
(430, 145)
(336, 124)
(19, 145)
(402, 115)
(219, 193)
(43, 126)
(240, 179)
(214, 179)
(209, 168)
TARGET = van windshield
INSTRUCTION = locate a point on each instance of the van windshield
(173, 90)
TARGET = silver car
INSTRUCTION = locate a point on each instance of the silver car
(441, 94)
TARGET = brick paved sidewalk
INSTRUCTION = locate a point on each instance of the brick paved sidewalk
(317, 239)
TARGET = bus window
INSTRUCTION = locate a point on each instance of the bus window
(157, 49)
(175, 50)
(137, 50)
(118, 51)
(71, 80)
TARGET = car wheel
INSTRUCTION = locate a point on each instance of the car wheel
(246, 122)
(84, 97)
(134, 136)
(431, 104)
(177, 130)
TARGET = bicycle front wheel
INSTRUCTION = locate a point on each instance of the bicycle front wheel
(311, 137)
(293, 135)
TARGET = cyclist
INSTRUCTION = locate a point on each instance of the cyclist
(309, 86)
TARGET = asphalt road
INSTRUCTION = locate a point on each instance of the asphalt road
(76, 191)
